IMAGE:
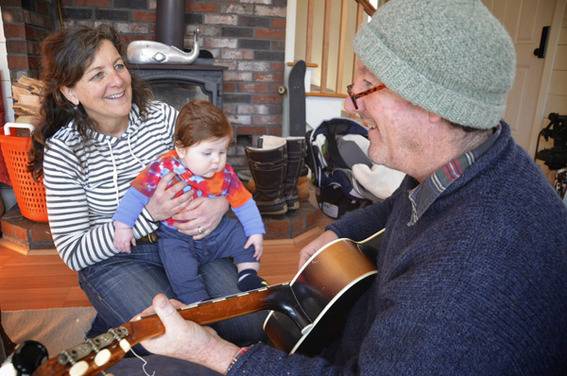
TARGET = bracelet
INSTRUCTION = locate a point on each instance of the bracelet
(239, 353)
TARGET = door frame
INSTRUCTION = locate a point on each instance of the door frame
(539, 120)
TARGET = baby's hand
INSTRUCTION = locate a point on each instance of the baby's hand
(257, 240)
(123, 237)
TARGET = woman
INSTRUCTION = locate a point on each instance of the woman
(100, 128)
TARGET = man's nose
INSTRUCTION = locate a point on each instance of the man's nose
(348, 105)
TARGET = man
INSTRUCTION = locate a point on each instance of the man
(472, 271)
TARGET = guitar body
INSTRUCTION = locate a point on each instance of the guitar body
(326, 287)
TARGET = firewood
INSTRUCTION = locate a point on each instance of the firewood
(26, 93)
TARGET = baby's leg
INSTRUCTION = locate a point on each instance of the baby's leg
(177, 253)
(229, 242)
(248, 278)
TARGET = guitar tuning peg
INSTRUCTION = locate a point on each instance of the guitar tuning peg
(125, 345)
(102, 357)
(79, 368)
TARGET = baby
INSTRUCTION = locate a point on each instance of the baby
(202, 136)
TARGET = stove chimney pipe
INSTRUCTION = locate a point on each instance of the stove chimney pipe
(170, 22)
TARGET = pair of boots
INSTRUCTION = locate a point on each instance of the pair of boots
(275, 166)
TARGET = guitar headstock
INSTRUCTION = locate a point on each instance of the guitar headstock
(90, 357)
(101, 352)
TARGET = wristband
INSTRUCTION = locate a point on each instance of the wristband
(239, 353)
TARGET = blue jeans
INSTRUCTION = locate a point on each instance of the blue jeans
(124, 285)
(181, 256)
(162, 365)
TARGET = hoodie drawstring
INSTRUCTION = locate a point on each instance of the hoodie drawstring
(114, 172)
(134, 155)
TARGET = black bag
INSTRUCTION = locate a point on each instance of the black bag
(332, 149)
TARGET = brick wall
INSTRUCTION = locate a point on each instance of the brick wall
(247, 36)
(26, 23)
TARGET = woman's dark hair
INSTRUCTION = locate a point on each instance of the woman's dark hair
(66, 55)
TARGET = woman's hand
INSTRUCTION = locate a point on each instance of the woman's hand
(201, 216)
(163, 204)
(187, 340)
(123, 237)
(315, 245)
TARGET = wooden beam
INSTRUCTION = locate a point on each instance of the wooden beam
(368, 8)
(342, 42)
(325, 45)
(309, 32)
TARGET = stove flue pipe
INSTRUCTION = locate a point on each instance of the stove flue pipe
(170, 22)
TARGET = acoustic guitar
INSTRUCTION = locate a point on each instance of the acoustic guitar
(306, 313)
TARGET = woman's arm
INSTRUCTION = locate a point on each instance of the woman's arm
(78, 242)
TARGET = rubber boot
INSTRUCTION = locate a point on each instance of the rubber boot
(295, 164)
(268, 165)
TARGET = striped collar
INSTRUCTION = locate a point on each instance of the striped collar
(424, 194)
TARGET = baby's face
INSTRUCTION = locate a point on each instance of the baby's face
(205, 158)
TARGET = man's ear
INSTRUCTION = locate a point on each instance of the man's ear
(69, 93)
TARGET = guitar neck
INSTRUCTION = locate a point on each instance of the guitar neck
(210, 311)
(150, 326)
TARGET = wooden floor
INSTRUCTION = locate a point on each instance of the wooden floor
(31, 282)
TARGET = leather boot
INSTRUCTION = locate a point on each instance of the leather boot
(295, 164)
(268, 164)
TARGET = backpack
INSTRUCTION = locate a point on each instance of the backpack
(332, 149)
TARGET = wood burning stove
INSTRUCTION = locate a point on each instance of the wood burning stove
(176, 84)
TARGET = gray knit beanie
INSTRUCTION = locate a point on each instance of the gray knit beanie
(450, 57)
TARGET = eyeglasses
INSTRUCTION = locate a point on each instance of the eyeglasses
(354, 97)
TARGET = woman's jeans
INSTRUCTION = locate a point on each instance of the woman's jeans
(124, 285)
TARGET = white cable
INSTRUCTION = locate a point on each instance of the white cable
(145, 363)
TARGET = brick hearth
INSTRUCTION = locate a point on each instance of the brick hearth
(25, 236)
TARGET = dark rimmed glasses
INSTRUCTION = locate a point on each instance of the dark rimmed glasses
(354, 97)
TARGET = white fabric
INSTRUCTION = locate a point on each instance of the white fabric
(381, 181)
(361, 141)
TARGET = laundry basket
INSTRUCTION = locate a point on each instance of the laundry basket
(30, 194)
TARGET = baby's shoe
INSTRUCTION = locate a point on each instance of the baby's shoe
(248, 279)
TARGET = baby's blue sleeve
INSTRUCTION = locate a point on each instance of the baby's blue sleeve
(130, 207)
(250, 218)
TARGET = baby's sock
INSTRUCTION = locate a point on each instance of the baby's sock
(248, 279)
